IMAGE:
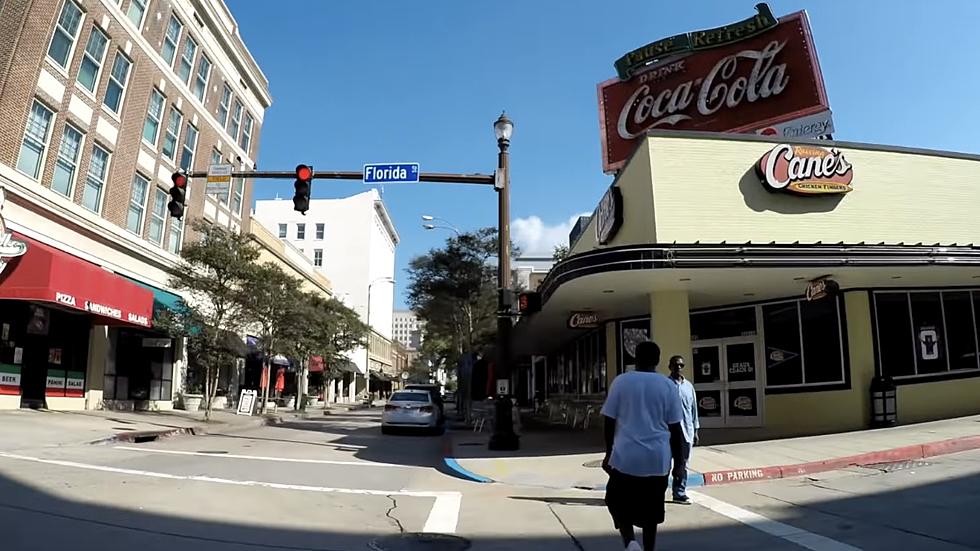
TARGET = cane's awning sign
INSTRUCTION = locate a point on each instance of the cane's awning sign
(696, 40)
(805, 170)
(9, 247)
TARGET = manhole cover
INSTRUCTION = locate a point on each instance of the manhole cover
(897, 466)
(593, 464)
(416, 542)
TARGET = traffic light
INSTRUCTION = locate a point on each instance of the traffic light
(528, 302)
(177, 194)
(304, 184)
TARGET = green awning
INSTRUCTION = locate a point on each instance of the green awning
(162, 300)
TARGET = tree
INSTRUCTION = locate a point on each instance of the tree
(561, 253)
(212, 274)
(331, 330)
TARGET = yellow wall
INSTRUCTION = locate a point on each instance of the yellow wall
(838, 410)
(670, 325)
(942, 400)
(707, 190)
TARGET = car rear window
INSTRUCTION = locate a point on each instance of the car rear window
(409, 397)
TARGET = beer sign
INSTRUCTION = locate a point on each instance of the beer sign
(752, 83)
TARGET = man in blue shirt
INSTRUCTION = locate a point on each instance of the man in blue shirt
(689, 424)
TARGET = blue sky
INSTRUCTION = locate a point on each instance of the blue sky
(423, 81)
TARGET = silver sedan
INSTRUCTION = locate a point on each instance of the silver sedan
(410, 409)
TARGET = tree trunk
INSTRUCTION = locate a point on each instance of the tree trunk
(212, 390)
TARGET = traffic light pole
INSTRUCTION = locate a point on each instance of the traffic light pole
(503, 437)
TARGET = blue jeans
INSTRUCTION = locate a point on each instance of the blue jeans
(680, 473)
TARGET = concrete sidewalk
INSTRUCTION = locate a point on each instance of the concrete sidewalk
(562, 458)
(44, 428)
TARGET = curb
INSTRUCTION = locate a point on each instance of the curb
(893, 455)
(139, 437)
(453, 464)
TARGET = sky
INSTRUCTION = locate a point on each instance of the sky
(355, 82)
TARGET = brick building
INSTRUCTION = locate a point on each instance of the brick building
(101, 101)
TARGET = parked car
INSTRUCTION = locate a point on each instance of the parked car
(435, 391)
(411, 409)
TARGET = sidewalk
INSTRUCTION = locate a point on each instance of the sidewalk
(556, 457)
(43, 428)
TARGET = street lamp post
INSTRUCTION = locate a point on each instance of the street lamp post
(367, 345)
(446, 224)
(503, 437)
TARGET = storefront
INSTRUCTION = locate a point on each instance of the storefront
(788, 274)
(52, 306)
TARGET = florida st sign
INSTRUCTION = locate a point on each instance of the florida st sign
(769, 78)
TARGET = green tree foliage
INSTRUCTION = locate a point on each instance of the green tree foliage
(561, 253)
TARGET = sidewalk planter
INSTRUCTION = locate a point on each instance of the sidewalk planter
(219, 402)
(192, 402)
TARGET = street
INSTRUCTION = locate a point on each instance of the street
(335, 483)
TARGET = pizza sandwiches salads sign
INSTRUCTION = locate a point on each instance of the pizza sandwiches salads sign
(739, 78)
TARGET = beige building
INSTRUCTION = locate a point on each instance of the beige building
(102, 100)
(789, 277)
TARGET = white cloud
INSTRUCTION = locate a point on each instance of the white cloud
(536, 238)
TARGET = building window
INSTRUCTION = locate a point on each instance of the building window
(176, 235)
(35, 141)
(237, 195)
(926, 333)
(187, 59)
(319, 230)
(98, 170)
(65, 33)
(300, 231)
(66, 168)
(136, 12)
(236, 120)
(173, 131)
(581, 368)
(803, 343)
(246, 140)
(118, 78)
(282, 231)
(318, 257)
(201, 81)
(190, 145)
(171, 39)
(88, 73)
(137, 204)
(224, 105)
(151, 127)
(158, 216)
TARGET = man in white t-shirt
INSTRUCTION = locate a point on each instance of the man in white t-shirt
(643, 435)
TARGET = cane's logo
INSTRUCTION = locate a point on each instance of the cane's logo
(805, 170)
(9, 247)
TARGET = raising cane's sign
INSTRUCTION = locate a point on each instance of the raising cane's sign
(805, 170)
(769, 78)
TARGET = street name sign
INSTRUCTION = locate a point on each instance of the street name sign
(219, 179)
(391, 173)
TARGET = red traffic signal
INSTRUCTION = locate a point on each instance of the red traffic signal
(304, 172)
(179, 179)
(529, 302)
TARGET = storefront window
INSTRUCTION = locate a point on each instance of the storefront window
(631, 333)
(926, 333)
(803, 343)
(720, 324)
(784, 359)
(140, 367)
(581, 368)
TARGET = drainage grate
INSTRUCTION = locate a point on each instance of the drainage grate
(470, 444)
(212, 452)
(897, 466)
(593, 464)
(142, 439)
(419, 542)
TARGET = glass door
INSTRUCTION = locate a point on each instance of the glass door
(727, 381)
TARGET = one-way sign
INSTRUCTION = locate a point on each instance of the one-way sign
(391, 173)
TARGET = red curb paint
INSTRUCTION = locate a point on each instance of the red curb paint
(904, 453)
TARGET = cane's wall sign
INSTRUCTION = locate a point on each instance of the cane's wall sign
(805, 170)
(738, 85)
(627, 65)
(609, 215)
(583, 320)
(9, 247)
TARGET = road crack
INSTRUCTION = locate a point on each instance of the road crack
(394, 505)
(578, 545)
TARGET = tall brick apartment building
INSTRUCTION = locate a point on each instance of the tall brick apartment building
(100, 102)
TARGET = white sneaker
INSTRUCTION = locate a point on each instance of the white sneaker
(634, 546)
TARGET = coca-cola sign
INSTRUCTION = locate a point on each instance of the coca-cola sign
(769, 78)
(805, 170)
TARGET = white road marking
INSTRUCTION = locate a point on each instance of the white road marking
(267, 458)
(789, 533)
(442, 518)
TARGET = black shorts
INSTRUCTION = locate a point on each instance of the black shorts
(636, 500)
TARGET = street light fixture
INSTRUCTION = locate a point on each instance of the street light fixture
(367, 345)
(430, 218)
(435, 227)
(503, 437)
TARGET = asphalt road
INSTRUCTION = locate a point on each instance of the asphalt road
(335, 483)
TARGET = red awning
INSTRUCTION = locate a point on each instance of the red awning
(47, 274)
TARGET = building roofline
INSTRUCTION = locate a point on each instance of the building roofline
(235, 47)
(382, 210)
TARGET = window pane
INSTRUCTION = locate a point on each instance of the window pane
(724, 323)
(92, 194)
(64, 169)
(237, 195)
(960, 330)
(35, 140)
(784, 363)
(117, 83)
(173, 129)
(136, 10)
(822, 358)
(87, 73)
(282, 230)
(187, 59)
(151, 127)
(223, 106)
(895, 344)
(201, 82)
(927, 322)
(319, 231)
(158, 216)
(137, 202)
(300, 231)
(171, 38)
(30, 158)
(190, 144)
(64, 33)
